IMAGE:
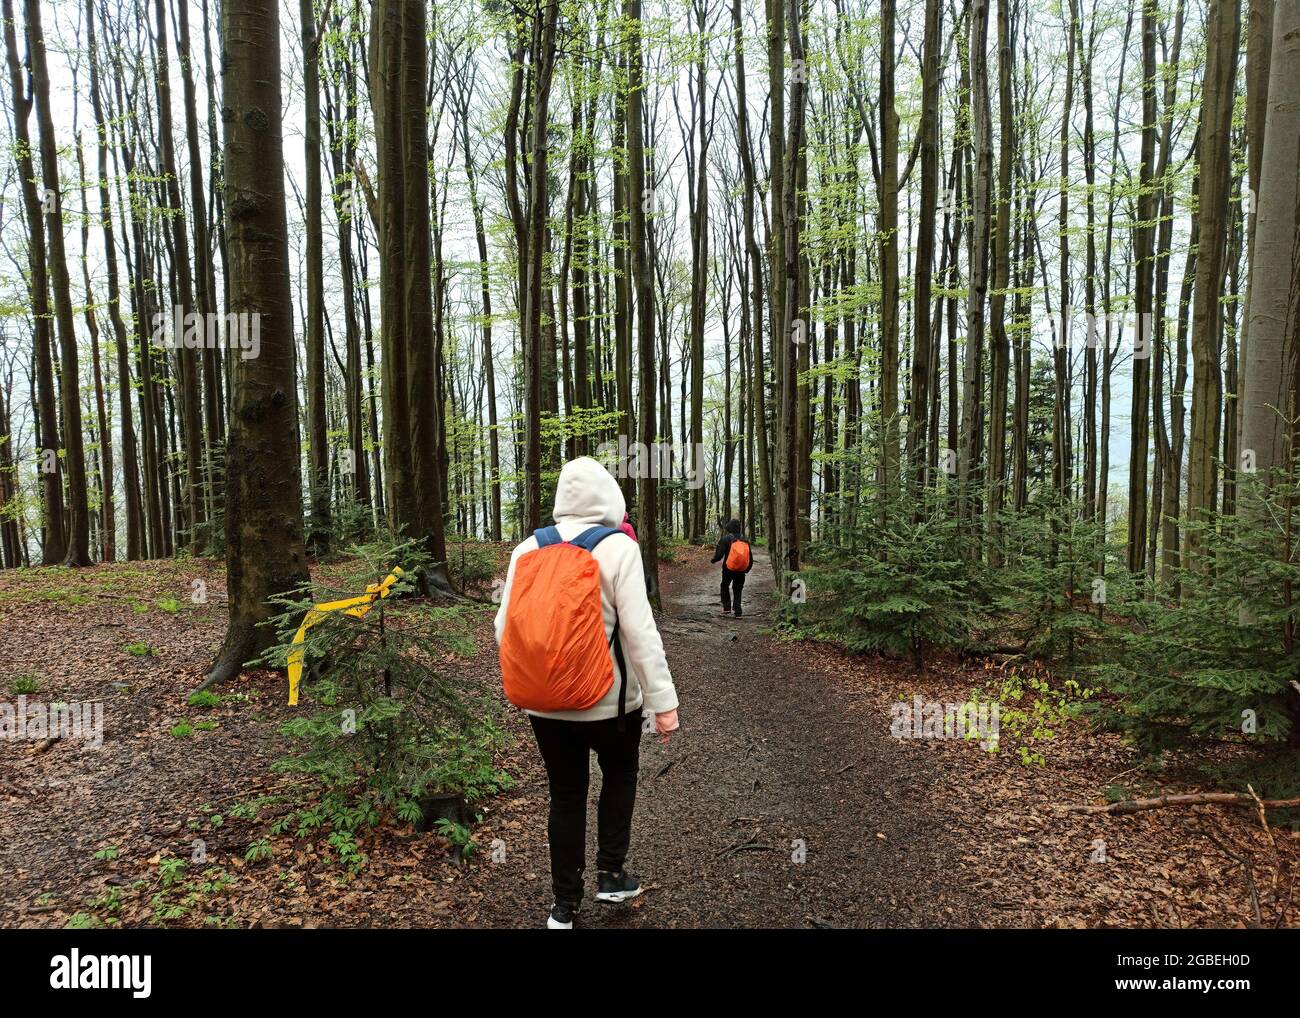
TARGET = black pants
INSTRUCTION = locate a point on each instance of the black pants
(565, 746)
(732, 585)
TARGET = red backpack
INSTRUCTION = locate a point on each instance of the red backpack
(738, 556)
(553, 651)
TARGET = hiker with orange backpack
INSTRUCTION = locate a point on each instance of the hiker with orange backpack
(737, 559)
(581, 654)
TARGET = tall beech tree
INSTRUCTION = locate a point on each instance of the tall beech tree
(265, 553)
(1270, 432)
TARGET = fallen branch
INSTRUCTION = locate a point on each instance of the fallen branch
(1188, 799)
(1272, 843)
(1247, 870)
(750, 848)
(750, 844)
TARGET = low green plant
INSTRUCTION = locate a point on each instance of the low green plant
(393, 723)
(1031, 710)
(24, 685)
(462, 840)
(180, 895)
(171, 869)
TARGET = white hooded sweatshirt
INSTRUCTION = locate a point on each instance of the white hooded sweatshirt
(588, 496)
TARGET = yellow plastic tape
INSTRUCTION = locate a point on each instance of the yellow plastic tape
(356, 607)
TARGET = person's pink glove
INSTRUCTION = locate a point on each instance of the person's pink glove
(665, 724)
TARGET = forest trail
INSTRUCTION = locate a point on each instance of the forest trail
(771, 755)
(781, 743)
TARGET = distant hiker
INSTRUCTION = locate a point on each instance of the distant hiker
(626, 527)
(581, 654)
(737, 560)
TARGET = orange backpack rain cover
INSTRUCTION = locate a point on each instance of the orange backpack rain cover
(738, 556)
(554, 655)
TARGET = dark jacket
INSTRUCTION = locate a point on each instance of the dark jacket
(724, 548)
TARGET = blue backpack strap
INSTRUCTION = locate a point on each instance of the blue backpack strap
(592, 536)
(547, 535)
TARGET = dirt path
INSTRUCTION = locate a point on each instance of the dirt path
(768, 761)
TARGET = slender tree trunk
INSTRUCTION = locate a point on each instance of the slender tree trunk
(1222, 32)
(318, 530)
(792, 334)
(54, 546)
(969, 464)
(922, 340)
(204, 276)
(777, 322)
(489, 358)
(1062, 454)
(189, 356)
(700, 275)
(135, 533)
(1142, 256)
(108, 522)
(888, 228)
(1000, 347)
(543, 51)
(647, 483)
(78, 547)
(754, 254)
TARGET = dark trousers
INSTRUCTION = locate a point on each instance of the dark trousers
(732, 585)
(565, 746)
